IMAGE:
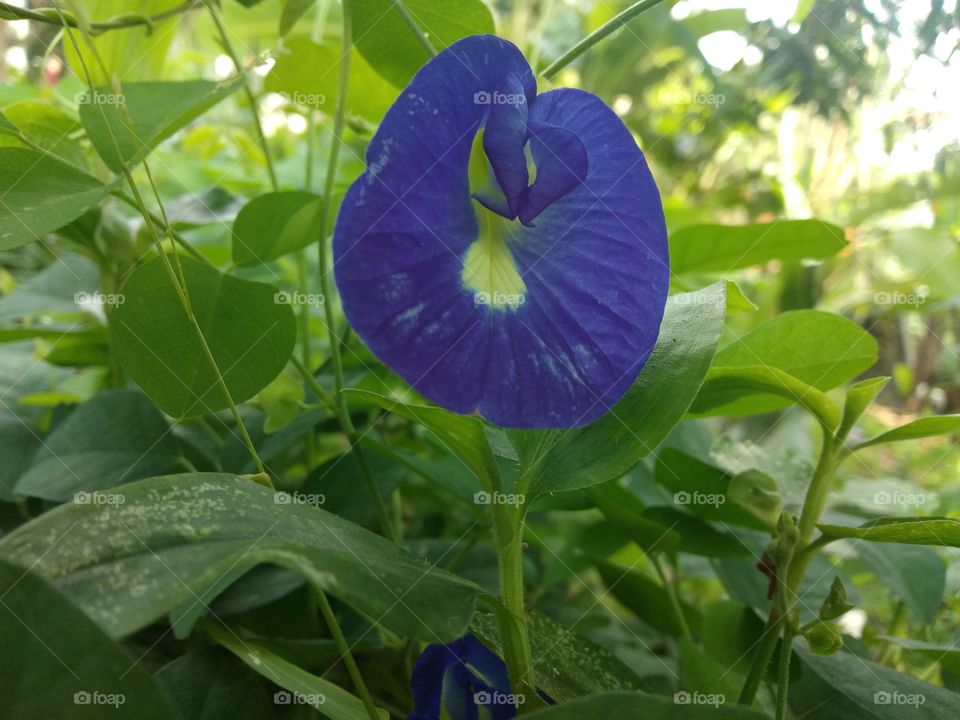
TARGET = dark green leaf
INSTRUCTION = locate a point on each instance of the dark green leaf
(64, 665)
(915, 574)
(559, 460)
(249, 332)
(646, 598)
(648, 707)
(135, 553)
(274, 224)
(116, 437)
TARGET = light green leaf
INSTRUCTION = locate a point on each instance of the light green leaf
(292, 11)
(250, 334)
(118, 436)
(859, 397)
(274, 224)
(63, 659)
(559, 460)
(911, 531)
(144, 114)
(40, 194)
(723, 248)
(307, 74)
(135, 53)
(390, 45)
(729, 391)
(818, 348)
(330, 700)
(924, 427)
(133, 554)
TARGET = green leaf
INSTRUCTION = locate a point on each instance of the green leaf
(134, 53)
(117, 436)
(56, 288)
(730, 632)
(646, 598)
(859, 397)
(40, 194)
(134, 553)
(701, 674)
(463, 434)
(18, 443)
(856, 687)
(697, 536)
(307, 74)
(64, 665)
(249, 333)
(824, 638)
(331, 700)
(46, 126)
(648, 707)
(915, 574)
(924, 427)
(625, 511)
(292, 11)
(723, 248)
(390, 45)
(758, 494)
(560, 656)
(820, 349)
(207, 684)
(705, 489)
(145, 114)
(560, 460)
(909, 531)
(747, 390)
(274, 224)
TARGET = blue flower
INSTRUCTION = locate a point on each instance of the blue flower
(460, 677)
(505, 252)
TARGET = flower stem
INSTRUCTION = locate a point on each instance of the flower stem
(597, 35)
(343, 413)
(401, 7)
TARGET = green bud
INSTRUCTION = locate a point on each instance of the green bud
(824, 638)
(835, 603)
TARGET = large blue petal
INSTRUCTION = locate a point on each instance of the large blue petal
(594, 259)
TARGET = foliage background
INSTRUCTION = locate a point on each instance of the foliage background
(845, 112)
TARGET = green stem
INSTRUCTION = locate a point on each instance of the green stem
(508, 533)
(343, 412)
(251, 98)
(177, 280)
(53, 17)
(401, 7)
(790, 577)
(783, 674)
(671, 591)
(345, 653)
(597, 35)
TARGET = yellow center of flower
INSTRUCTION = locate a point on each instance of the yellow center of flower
(489, 269)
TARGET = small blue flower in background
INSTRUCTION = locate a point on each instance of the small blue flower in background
(505, 252)
(460, 678)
